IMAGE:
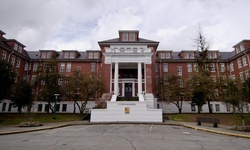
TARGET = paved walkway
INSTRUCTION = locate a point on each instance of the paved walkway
(225, 130)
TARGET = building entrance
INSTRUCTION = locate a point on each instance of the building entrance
(128, 89)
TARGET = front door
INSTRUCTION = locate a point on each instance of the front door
(128, 90)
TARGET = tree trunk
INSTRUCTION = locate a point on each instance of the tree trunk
(180, 110)
(209, 107)
(74, 107)
(199, 109)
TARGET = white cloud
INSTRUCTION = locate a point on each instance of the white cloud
(77, 24)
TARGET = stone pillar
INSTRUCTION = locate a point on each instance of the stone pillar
(139, 79)
(116, 92)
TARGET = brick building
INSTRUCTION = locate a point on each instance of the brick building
(129, 65)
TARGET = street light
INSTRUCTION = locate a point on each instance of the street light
(54, 116)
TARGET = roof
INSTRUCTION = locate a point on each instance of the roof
(241, 42)
(117, 40)
(13, 40)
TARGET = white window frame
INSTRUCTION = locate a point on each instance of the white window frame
(239, 63)
(18, 62)
(179, 70)
(20, 48)
(247, 74)
(26, 66)
(91, 54)
(222, 67)
(16, 46)
(131, 36)
(231, 66)
(92, 67)
(66, 54)
(35, 66)
(217, 107)
(168, 55)
(71, 55)
(95, 54)
(43, 54)
(180, 82)
(212, 67)
(241, 76)
(244, 60)
(241, 47)
(60, 81)
(13, 58)
(195, 66)
(33, 79)
(162, 55)
(189, 67)
(124, 36)
(165, 67)
(191, 55)
(68, 67)
(186, 55)
(4, 54)
(62, 67)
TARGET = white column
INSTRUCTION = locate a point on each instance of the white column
(116, 80)
(139, 79)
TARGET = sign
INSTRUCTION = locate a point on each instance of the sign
(127, 110)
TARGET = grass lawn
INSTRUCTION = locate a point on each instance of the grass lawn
(14, 118)
(225, 119)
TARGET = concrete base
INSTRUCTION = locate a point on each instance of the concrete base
(126, 111)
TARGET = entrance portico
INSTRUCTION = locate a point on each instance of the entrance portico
(130, 75)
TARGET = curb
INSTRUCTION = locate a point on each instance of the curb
(218, 132)
(173, 124)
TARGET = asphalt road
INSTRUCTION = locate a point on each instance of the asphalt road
(122, 137)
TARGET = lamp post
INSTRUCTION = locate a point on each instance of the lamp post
(54, 116)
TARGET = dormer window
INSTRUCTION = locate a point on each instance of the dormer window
(49, 55)
(125, 37)
(162, 55)
(93, 54)
(131, 37)
(20, 48)
(43, 54)
(15, 47)
(186, 55)
(71, 55)
(241, 47)
(167, 55)
(191, 55)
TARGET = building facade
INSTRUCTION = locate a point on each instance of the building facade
(129, 65)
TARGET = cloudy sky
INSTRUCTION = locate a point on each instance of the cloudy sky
(80, 24)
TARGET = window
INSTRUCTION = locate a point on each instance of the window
(35, 66)
(157, 80)
(247, 108)
(60, 81)
(217, 107)
(62, 67)
(33, 79)
(186, 55)
(212, 69)
(162, 55)
(125, 37)
(92, 67)
(46, 108)
(71, 55)
(156, 67)
(4, 106)
(211, 106)
(247, 74)
(18, 62)
(4, 53)
(15, 46)
(43, 54)
(68, 69)
(214, 55)
(96, 55)
(179, 70)
(206, 67)
(244, 60)
(231, 67)
(189, 67)
(222, 67)
(64, 107)
(228, 107)
(131, 37)
(10, 106)
(180, 83)
(26, 66)
(165, 67)
(191, 55)
(49, 55)
(237, 49)
(241, 77)
(20, 48)
(13, 60)
(66, 54)
(40, 107)
(195, 67)
(193, 107)
(241, 47)
(167, 55)
(239, 62)
(91, 54)
(66, 80)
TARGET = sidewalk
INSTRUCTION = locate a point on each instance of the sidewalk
(225, 130)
